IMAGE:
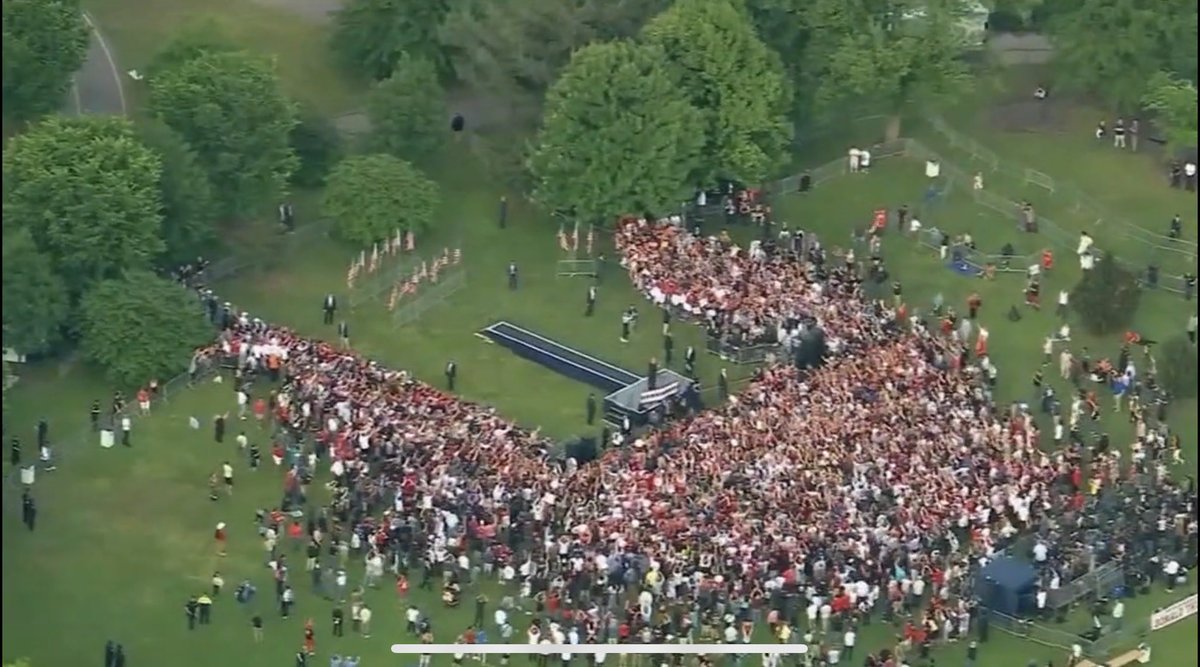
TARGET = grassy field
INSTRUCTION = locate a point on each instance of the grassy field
(124, 535)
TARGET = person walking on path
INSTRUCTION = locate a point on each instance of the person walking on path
(28, 510)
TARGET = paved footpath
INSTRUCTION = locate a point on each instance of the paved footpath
(98, 87)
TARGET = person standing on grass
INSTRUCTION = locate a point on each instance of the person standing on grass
(503, 211)
(126, 431)
(256, 628)
(192, 611)
(28, 510)
(328, 308)
(119, 656)
(591, 409)
(301, 658)
(14, 452)
(451, 374)
(343, 332)
(339, 622)
(205, 604)
(590, 303)
(219, 428)
(286, 600)
(94, 415)
(364, 621)
(227, 475)
(512, 275)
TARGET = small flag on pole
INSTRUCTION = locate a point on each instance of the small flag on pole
(374, 258)
(562, 239)
(591, 239)
(424, 270)
(410, 241)
(362, 259)
(575, 238)
(457, 255)
(397, 241)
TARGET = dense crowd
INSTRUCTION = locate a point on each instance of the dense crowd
(810, 500)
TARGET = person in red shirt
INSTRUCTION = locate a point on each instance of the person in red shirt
(219, 537)
(143, 399)
(310, 639)
(260, 411)
(401, 586)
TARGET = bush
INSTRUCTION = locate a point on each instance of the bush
(1107, 297)
(140, 326)
(1177, 362)
(370, 196)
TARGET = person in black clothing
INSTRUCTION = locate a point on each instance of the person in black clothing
(119, 656)
(43, 432)
(590, 308)
(14, 452)
(1176, 230)
(219, 428)
(255, 456)
(192, 610)
(95, 415)
(302, 657)
(668, 348)
(901, 217)
(591, 409)
(339, 621)
(287, 217)
(28, 510)
(1189, 286)
(689, 361)
(503, 211)
(723, 385)
(458, 123)
(652, 374)
(110, 652)
(512, 275)
(344, 333)
(328, 308)
(451, 374)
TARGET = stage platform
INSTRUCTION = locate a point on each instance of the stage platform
(559, 358)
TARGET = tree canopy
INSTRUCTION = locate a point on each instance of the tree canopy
(514, 49)
(318, 147)
(87, 191)
(189, 208)
(1174, 100)
(735, 81)
(36, 304)
(45, 42)
(408, 111)
(229, 108)
(369, 197)
(884, 54)
(139, 327)
(1114, 47)
(1107, 297)
(371, 36)
(618, 135)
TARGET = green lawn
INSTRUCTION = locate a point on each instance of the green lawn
(136, 31)
(124, 536)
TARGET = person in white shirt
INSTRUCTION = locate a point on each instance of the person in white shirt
(1041, 603)
(864, 160)
(977, 185)
(1171, 570)
(853, 158)
(126, 431)
(411, 617)
(1064, 299)
(243, 401)
(848, 641)
(1118, 614)
(1085, 244)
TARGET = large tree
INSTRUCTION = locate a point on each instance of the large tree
(736, 82)
(1174, 100)
(189, 207)
(369, 197)
(514, 49)
(140, 327)
(885, 55)
(1114, 47)
(35, 298)
(408, 111)
(229, 108)
(45, 42)
(87, 190)
(370, 36)
(318, 147)
(618, 135)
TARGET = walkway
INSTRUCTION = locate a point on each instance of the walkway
(97, 87)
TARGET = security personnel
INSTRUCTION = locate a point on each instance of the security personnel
(591, 409)
(512, 275)
(591, 302)
(668, 347)
(689, 361)
(451, 374)
(328, 308)
(344, 333)
(723, 385)
(652, 374)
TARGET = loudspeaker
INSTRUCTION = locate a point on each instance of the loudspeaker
(810, 352)
(583, 450)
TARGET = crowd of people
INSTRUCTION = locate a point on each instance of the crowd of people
(812, 501)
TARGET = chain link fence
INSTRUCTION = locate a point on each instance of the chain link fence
(953, 176)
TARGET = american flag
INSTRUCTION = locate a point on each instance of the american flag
(457, 255)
